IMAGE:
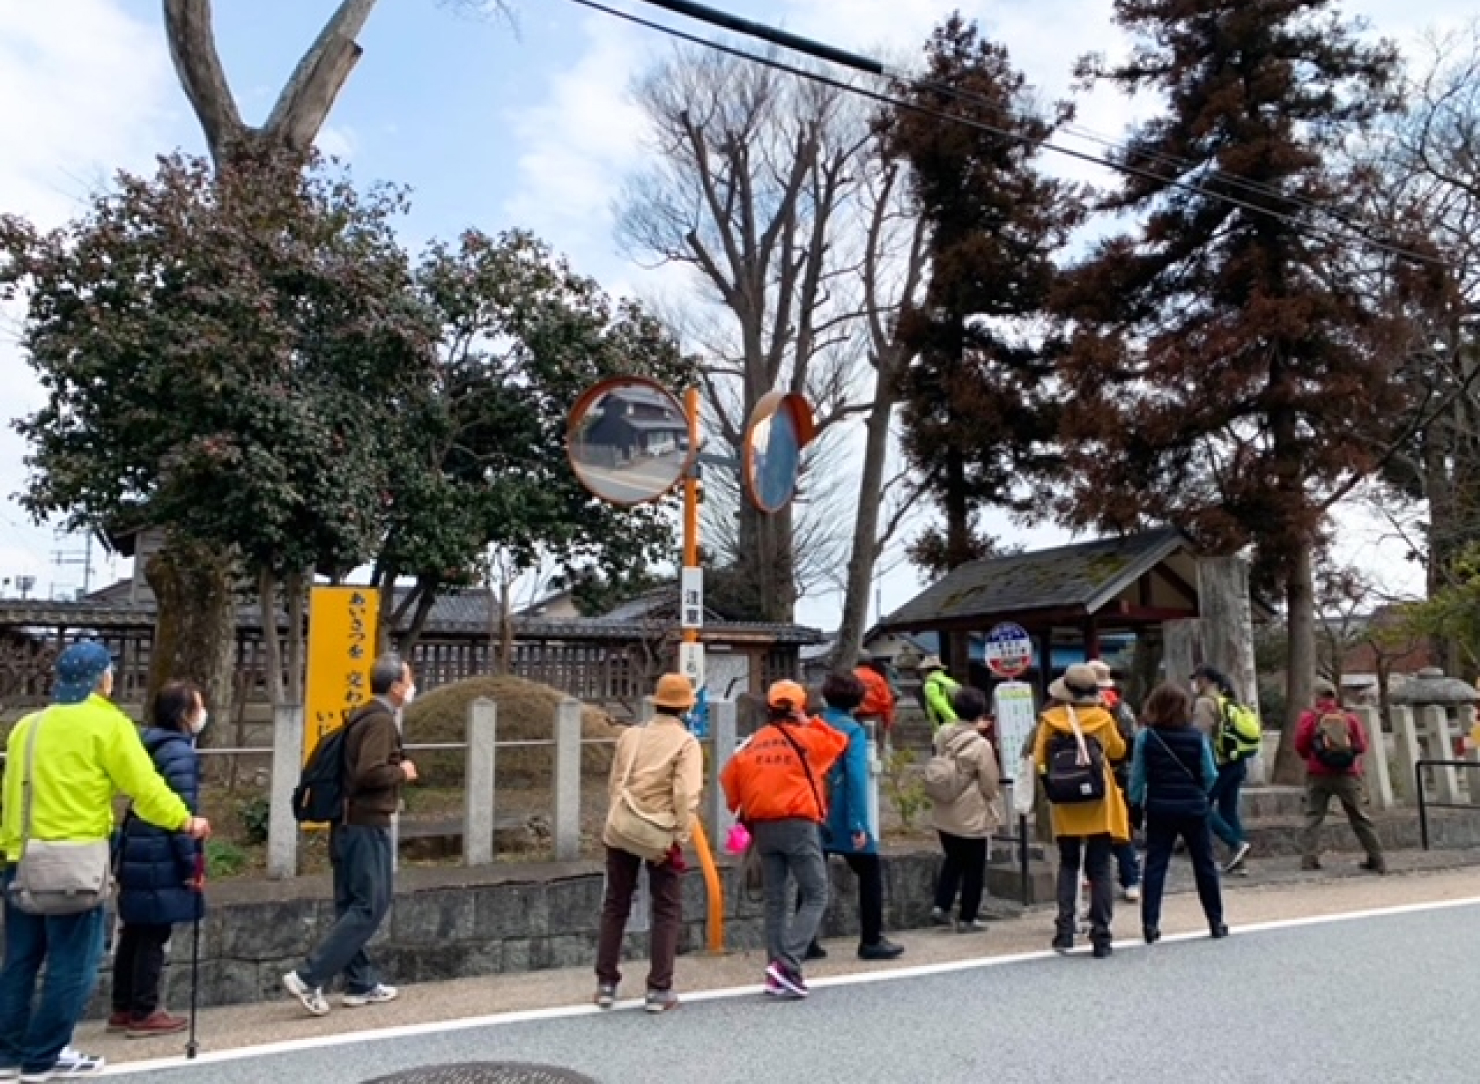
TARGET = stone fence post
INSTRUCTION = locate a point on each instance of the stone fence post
(287, 766)
(1375, 763)
(722, 729)
(567, 827)
(478, 797)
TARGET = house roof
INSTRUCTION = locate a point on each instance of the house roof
(1082, 578)
(458, 613)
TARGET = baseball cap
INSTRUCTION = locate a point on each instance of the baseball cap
(787, 694)
(78, 671)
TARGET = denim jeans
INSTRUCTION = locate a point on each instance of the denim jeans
(362, 896)
(1127, 864)
(33, 1032)
(1223, 818)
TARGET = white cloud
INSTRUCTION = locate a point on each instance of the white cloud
(85, 91)
(338, 141)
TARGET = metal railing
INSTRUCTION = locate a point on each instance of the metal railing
(1424, 805)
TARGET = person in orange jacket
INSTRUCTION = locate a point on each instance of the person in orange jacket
(774, 784)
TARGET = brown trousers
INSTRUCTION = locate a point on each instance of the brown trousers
(666, 887)
(1346, 789)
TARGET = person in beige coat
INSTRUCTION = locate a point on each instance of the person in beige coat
(661, 767)
(966, 825)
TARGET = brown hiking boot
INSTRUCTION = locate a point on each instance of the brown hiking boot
(119, 1021)
(158, 1022)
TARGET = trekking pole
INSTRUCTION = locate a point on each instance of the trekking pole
(191, 1046)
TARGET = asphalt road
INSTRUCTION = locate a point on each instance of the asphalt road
(1387, 998)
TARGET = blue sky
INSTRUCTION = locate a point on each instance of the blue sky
(492, 126)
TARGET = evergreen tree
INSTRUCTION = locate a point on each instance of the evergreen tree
(976, 422)
(1228, 370)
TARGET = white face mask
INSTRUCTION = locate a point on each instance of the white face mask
(200, 724)
(410, 695)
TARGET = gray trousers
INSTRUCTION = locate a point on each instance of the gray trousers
(791, 850)
(362, 896)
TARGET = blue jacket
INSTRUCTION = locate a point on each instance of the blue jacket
(1172, 772)
(156, 866)
(847, 789)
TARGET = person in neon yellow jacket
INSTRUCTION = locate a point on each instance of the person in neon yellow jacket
(940, 688)
(86, 752)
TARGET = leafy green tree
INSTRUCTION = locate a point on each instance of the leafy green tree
(480, 459)
(221, 354)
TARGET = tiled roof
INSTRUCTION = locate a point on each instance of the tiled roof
(457, 613)
(1081, 577)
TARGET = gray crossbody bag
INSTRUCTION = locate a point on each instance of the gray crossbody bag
(57, 877)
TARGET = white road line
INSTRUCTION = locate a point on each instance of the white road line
(290, 1046)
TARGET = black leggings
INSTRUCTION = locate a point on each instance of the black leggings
(137, 967)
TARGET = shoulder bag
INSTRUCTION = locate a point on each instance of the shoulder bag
(57, 877)
(633, 829)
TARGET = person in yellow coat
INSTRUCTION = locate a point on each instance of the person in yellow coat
(1076, 744)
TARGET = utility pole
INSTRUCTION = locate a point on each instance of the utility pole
(61, 558)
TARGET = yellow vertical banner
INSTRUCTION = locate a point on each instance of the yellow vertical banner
(341, 651)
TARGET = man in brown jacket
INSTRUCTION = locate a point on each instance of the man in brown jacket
(375, 770)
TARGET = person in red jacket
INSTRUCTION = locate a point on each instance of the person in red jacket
(879, 697)
(1331, 741)
(774, 784)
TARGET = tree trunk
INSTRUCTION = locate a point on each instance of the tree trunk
(195, 626)
(1300, 603)
(272, 645)
(406, 647)
(296, 589)
(866, 527)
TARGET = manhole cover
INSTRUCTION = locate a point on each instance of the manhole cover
(487, 1072)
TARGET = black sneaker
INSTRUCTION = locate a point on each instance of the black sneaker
(1103, 951)
(1063, 943)
(1151, 934)
(1374, 865)
(1219, 930)
(882, 949)
(815, 952)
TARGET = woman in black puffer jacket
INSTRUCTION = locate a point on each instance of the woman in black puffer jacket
(157, 871)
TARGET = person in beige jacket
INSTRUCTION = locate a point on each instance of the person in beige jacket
(661, 767)
(965, 825)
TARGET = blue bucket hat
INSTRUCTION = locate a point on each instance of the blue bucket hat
(79, 669)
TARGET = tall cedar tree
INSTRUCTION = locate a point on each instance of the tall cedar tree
(976, 425)
(1227, 371)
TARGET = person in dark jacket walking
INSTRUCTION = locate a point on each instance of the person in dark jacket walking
(376, 768)
(157, 870)
(1172, 774)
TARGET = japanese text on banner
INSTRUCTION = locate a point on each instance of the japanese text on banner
(341, 651)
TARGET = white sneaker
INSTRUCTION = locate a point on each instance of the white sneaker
(378, 994)
(310, 997)
(1133, 893)
(1237, 861)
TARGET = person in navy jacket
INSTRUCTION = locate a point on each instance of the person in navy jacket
(847, 832)
(157, 871)
(1172, 776)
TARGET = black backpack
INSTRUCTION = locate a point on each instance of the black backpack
(1072, 776)
(320, 795)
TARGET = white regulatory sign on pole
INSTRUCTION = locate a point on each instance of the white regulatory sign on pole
(1017, 714)
(1008, 650)
(691, 663)
(691, 599)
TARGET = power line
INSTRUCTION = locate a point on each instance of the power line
(871, 67)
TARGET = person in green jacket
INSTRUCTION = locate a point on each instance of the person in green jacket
(940, 690)
(86, 752)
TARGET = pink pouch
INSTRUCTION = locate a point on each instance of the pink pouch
(738, 840)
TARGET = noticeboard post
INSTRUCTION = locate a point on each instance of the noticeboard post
(341, 652)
